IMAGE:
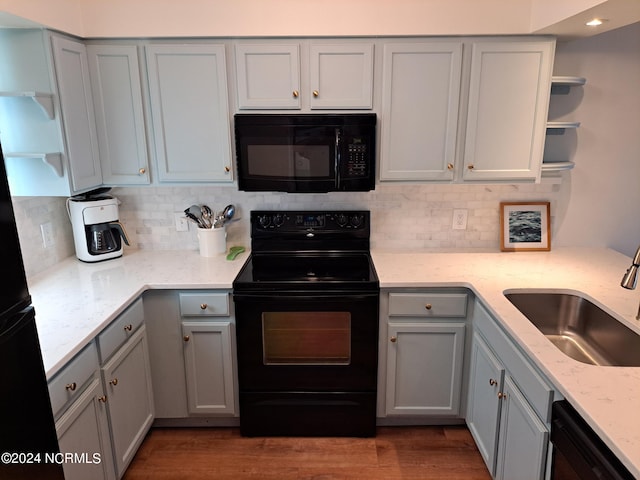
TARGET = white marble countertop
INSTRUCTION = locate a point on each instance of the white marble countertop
(74, 301)
(607, 397)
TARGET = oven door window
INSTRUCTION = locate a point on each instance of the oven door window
(306, 338)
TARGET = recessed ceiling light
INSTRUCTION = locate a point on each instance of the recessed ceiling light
(596, 22)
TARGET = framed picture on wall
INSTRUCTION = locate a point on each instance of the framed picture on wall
(525, 226)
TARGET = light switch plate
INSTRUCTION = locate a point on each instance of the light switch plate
(48, 240)
(182, 224)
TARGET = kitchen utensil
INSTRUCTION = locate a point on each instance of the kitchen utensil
(228, 212)
(234, 252)
(193, 218)
(206, 216)
(194, 212)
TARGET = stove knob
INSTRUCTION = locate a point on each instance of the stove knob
(341, 219)
(356, 220)
(278, 219)
(264, 221)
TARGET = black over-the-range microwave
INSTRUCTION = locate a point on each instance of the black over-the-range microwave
(305, 153)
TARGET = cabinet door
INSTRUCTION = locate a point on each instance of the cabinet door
(268, 76)
(341, 76)
(523, 438)
(209, 367)
(420, 97)
(127, 379)
(78, 118)
(166, 353)
(424, 368)
(190, 114)
(507, 115)
(483, 408)
(117, 96)
(84, 430)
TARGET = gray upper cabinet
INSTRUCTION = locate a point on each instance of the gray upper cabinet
(117, 96)
(341, 76)
(420, 97)
(268, 76)
(189, 112)
(78, 118)
(477, 117)
(47, 122)
(304, 75)
(508, 103)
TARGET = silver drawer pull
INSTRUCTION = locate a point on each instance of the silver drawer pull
(203, 306)
(71, 386)
(128, 328)
(492, 382)
(114, 382)
(428, 306)
(102, 398)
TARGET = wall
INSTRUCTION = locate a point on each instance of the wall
(596, 204)
(602, 195)
(403, 216)
(122, 18)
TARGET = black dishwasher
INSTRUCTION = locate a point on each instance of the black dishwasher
(578, 452)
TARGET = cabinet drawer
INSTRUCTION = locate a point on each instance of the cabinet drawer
(70, 382)
(204, 304)
(120, 330)
(538, 392)
(428, 304)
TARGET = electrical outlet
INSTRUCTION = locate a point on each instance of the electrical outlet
(48, 240)
(182, 224)
(459, 219)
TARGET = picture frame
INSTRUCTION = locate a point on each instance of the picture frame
(525, 226)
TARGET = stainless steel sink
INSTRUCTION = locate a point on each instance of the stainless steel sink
(579, 328)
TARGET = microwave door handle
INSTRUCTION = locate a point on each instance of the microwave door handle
(337, 159)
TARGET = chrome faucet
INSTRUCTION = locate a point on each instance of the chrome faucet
(630, 279)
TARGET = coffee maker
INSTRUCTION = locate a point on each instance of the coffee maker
(97, 231)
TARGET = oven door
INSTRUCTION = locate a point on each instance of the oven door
(288, 158)
(307, 342)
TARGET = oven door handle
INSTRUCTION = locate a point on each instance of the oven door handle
(275, 297)
(337, 158)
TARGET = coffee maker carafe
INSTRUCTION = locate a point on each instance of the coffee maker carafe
(97, 231)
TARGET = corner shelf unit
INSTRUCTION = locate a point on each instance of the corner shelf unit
(53, 159)
(561, 85)
(43, 100)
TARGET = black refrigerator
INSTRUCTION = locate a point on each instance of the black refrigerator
(28, 441)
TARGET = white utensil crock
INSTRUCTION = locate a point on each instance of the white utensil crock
(213, 241)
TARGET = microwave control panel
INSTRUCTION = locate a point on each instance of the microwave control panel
(356, 160)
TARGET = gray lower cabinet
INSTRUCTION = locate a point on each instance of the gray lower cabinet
(209, 367)
(128, 388)
(509, 404)
(84, 430)
(78, 401)
(424, 333)
(192, 348)
(126, 377)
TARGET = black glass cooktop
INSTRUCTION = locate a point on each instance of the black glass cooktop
(322, 270)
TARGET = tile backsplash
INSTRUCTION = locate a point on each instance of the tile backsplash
(403, 216)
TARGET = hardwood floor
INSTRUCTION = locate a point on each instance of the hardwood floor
(432, 453)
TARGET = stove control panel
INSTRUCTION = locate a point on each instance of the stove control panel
(301, 221)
